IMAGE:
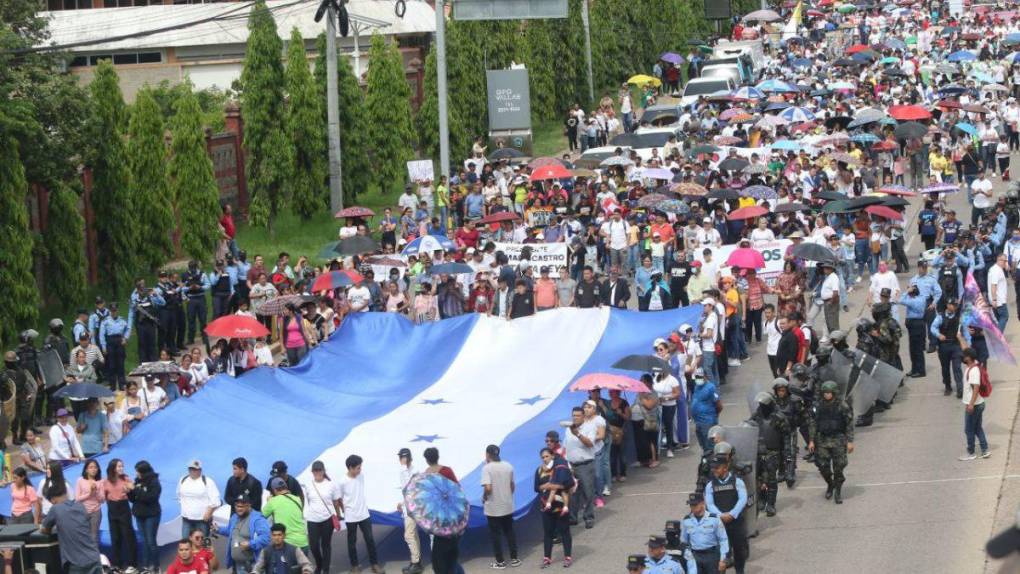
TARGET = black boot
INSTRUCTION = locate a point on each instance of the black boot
(790, 481)
(839, 494)
(770, 503)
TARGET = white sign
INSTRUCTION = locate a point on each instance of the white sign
(542, 254)
(420, 170)
(772, 251)
(956, 8)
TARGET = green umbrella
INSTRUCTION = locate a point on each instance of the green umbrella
(847, 8)
(704, 148)
(838, 206)
(705, 49)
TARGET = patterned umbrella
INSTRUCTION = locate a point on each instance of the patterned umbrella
(756, 168)
(428, 244)
(941, 188)
(543, 162)
(616, 160)
(689, 189)
(797, 115)
(748, 93)
(652, 200)
(332, 280)
(726, 140)
(843, 158)
(893, 189)
(155, 368)
(278, 305)
(674, 206)
(354, 211)
(761, 192)
(437, 504)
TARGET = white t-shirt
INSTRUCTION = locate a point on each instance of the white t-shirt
(664, 388)
(708, 343)
(115, 421)
(773, 334)
(319, 497)
(830, 286)
(575, 449)
(617, 233)
(759, 236)
(151, 399)
(359, 295)
(998, 287)
(709, 237)
(196, 495)
(981, 200)
(352, 492)
(971, 382)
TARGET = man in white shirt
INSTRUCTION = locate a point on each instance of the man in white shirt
(708, 235)
(114, 419)
(355, 509)
(998, 290)
(64, 445)
(408, 200)
(709, 334)
(360, 298)
(198, 496)
(615, 232)
(829, 295)
(579, 444)
(498, 505)
(407, 471)
(981, 197)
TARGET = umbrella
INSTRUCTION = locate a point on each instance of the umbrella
(866, 116)
(726, 140)
(81, 391)
(841, 121)
(812, 252)
(762, 16)
(895, 44)
(962, 56)
(884, 211)
(705, 148)
(544, 161)
(354, 211)
(845, 63)
(790, 207)
(582, 172)
(690, 189)
(857, 48)
(802, 63)
(333, 280)
(672, 58)
(889, 60)
(895, 202)
(609, 382)
(746, 258)
(797, 114)
(550, 172)
(893, 189)
(748, 93)
(966, 128)
(695, 42)
(838, 206)
(505, 153)
(657, 173)
(723, 193)
(884, 145)
(749, 212)
(428, 244)
(437, 504)
(155, 368)
(862, 202)
(914, 112)
(761, 192)
(357, 245)
(770, 121)
(788, 145)
(865, 138)
(278, 305)
(674, 206)
(499, 217)
(910, 130)
(830, 196)
(776, 87)
(976, 108)
(644, 79)
(941, 188)
(756, 168)
(840, 157)
(731, 112)
(385, 261)
(451, 269)
(616, 160)
(652, 199)
(236, 327)
(642, 363)
(733, 164)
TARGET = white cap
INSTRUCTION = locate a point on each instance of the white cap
(469, 250)
(659, 341)
(685, 327)
(708, 301)
(707, 220)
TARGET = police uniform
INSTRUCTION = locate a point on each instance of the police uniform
(222, 288)
(705, 536)
(929, 289)
(167, 313)
(196, 286)
(728, 495)
(113, 333)
(831, 428)
(773, 429)
(24, 395)
(96, 320)
(665, 564)
(143, 316)
(792, 407)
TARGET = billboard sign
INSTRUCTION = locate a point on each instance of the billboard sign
(509, 99)
(509, 9)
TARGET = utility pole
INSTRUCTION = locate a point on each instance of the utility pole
(587, 50)
(444, 126)
(336, 193)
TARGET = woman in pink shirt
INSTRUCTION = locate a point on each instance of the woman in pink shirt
(90, 493)
(545, 291)
(26, 508)
(116, 487)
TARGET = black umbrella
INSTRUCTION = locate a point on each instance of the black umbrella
(790, 207)
(812, 252)
(910, 130)
(83, 391)
(845, 63)
(641, 363)
(862, 202)
(822, 92)
(841, 121)
(830, 195)
(894, 72)
(695, 42)
(505, 153)
(893, 201)
(357, 245)
(733, 164)
(723, 193)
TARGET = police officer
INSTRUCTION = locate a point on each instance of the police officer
(726, 497)
(241, 289)
(99, 314)
(143, 315)
(167, 313)
(180, 315)
(658, 562)
(889, 332)
(792, 407)
(28, 358)
(196, 285)
(949, 265)
(804, 385)
(948, 327)
(113, 337)
(928, 287)
(773, 429)
(832, 438)
(705, 534)
(867, 336)
(917, 333)
(222, 288)
(635, 564)
(81, 325)
(25, 389)
(716, 436)
(58, 342)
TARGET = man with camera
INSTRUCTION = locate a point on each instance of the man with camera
(931, 293)
(248, 533)
(917, 306)
(580, 448)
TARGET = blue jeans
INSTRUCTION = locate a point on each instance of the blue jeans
(973, 427)
(602, 476)
(1001, 316)
(149, 551)
(862, 255)
(444, 217)
(709, 367)
(701, 431)
(187, 525)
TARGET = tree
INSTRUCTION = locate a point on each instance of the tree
(116, 219)
(147, 160)
(64, 240)
(192, 181)
(568, 47)
(19, 306)
(465, 73)
(427, 121)
(267, 160)
(356, 168)
(537, 51)
(388, 109)
(306, 131)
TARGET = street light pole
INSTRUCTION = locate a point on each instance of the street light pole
(587, 50)
(336, 194)
(444, 127)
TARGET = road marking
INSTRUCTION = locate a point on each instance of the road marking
(862, 485)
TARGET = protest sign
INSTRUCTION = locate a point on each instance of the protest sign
(772, 251)
(551, 254)
(420, 170)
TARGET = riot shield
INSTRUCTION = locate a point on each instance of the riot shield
(758, 386)
(863, 387)
(744, 439)
(838, 370)
(885, 375)
(51, 368)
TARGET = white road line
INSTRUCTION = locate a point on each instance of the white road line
(862, 485)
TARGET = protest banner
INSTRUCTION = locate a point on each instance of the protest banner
(772, 251)
(420, 170)
(551, 254)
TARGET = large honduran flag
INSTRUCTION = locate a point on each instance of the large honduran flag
(380, 384)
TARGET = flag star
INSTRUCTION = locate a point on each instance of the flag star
(429, 438)
(435, 402)
(531, 400)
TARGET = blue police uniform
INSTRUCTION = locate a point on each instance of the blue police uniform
(113, 332)
(917, 331)
(142, 315)
(950, 351)
(667, 565)
(196, 285)
(707, 539)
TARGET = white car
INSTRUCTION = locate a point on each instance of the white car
(699, 87)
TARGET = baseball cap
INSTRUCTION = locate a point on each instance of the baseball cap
(469, 250)
(657, 342)
(62, 413)
(195, 464)
(242, 499)
(695, 498)
(708, 301)
(685, 327)
(278, 468)
(277, 483)
(404, 452)
(635, 562)
(707, 220)
(544, 269)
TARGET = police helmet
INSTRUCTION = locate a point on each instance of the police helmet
(56, 323)
(824, 349)
(28, 335)
(10, 357)
(716, 432)
(780, 382)
(837, 335)
(722, 448)
(865, 324)
(800, 371)
(764, 398)
(830, 387)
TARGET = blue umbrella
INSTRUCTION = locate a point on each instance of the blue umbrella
(962, 56)
(1010, 39)
(437, 504)
(952, 90)
(865, 138)
(802, 63)
(888, 121)
(673, 206)
(428, 244)
(451, 269)
(777, 86)
(761, 192)
(1013, 58)
(889, 60)
(747, 93)
(982, 77)
(83, 391)
(966, 128)
(789, 145)
(796, 115)
(774, 106)
(895, 44)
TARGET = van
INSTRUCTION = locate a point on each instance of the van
(731, 71)
(751, 48)
(704, 87)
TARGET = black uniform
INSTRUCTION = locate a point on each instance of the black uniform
(679, 276)
(146, 314)
(773, 429)
(194, 293)
(168, 315)
(59, 344)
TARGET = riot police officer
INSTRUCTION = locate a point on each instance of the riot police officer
(716, 434)
(113, 336)
(948, 327)
(792, 407)
(726, 496)
(28, 358)
(196, 286)
(167, 313)
(804, 385)
(25, 388)
(143, 317)
(867, 336)
(58, 342)
(772, 436)
(889, 333)
(949, 266)
(832, 438)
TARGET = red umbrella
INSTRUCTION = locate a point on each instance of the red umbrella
(884, 146)
(883, 211)
(747, 213)
(857, 48)
(948, 104)
(236, 327)
(746, 258)
(354, 212)
(608, 382)
(499, 217)
(551, 172)
(544, 161)
(909, 113)
(335, 279)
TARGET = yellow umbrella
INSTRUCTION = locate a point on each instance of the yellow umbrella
(643, 79)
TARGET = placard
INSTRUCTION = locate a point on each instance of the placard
(772, 251)
(420, 170)
(552, 254)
